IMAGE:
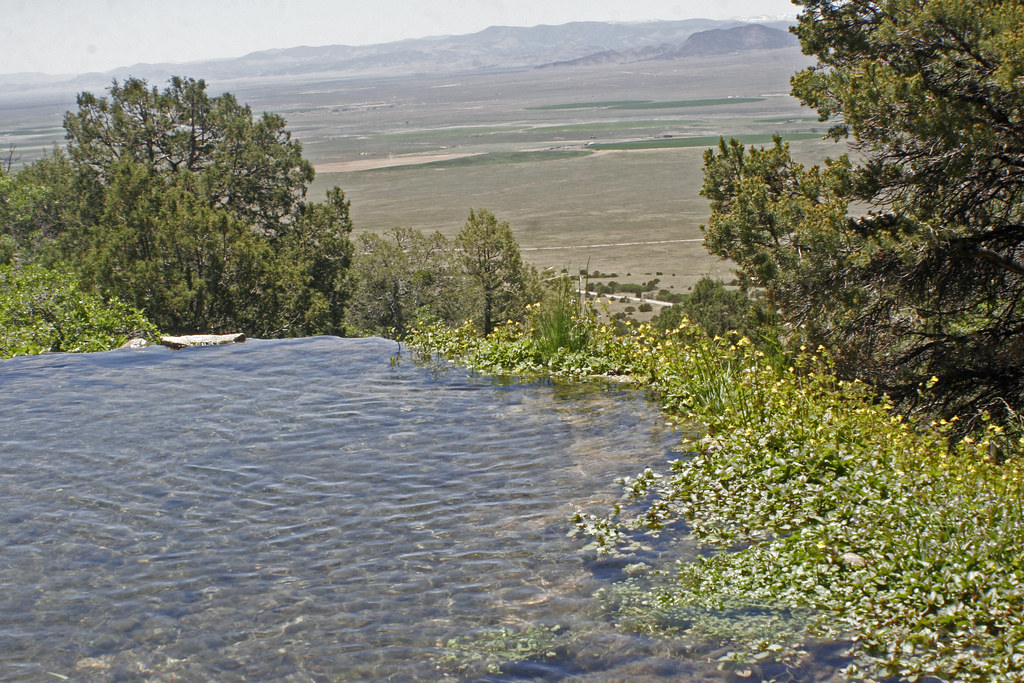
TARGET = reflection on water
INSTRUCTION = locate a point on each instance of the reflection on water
(298, 510)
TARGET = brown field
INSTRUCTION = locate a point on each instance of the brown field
(420, 151)
(504, 144)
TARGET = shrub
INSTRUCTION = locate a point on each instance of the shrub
(718, 310)
(42, 310)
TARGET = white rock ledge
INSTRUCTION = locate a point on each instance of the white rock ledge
(201, 340)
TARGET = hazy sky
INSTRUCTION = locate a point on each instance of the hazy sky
(77, 36)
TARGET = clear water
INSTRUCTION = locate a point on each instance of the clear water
(302, 510)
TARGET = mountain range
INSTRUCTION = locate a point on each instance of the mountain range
(494, 48)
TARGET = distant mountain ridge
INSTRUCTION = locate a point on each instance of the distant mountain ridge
(494, 48)
(715, 41)
(724, 41)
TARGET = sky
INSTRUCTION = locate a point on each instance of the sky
(80, 36)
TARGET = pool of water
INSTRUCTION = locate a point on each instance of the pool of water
(303, 510)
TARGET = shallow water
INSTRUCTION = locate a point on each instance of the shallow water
(301, 510)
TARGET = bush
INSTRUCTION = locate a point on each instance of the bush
(718, 310)
(42, 310)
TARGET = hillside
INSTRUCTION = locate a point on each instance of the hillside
(494, 48)
(716, 41)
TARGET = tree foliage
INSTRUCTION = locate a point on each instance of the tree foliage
(42, 310)
(192, 209)
(405, 275)
(19, 202)
(491, 258)
(907, 256)
(248, 165)
(715, 310)
(402, 275)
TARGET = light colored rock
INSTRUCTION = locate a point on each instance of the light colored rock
(90, 663)
(201, 340)
(135, 343)
(854, 560)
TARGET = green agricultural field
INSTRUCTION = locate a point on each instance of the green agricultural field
(648, 104)
(703, 142)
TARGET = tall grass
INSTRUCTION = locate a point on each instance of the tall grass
(562, 321)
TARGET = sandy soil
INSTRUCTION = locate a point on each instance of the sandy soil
(387, 162)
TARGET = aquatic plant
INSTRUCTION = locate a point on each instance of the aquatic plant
(821, 501)
(491, 649)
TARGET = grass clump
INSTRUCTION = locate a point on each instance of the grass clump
(825, 507)
(562, 322)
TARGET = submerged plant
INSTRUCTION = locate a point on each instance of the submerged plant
(491, 649)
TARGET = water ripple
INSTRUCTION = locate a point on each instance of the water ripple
(300, 510)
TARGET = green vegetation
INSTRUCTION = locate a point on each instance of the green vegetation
(590, 105)
(650, 104)
(705, 141)
(188, 208)
(406, 275)
(839, 518)
(555, 319)
(17, 203)
(492, 159)
(402, 275)
(689, 103)
(42, 311)
(717, 311)
(906, 261)
(502, 284)
(491, 649)
(459, 131)
(609, 126)
(613, 287)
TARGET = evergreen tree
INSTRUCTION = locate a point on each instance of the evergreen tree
(491, 258)
(907, 257)
(403, 274)
(193, 210)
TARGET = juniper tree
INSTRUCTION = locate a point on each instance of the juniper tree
(906, 256)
